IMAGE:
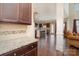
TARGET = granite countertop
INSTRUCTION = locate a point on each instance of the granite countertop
(11, 44)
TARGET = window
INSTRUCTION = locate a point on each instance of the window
(76, 7)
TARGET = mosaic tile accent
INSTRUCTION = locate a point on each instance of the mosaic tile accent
(12, 32)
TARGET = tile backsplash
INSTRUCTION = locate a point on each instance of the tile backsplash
(12, 32)
(8, 29)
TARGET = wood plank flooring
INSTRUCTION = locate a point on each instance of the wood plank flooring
(47, 47)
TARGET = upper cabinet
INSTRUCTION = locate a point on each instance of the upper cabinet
(15, 12)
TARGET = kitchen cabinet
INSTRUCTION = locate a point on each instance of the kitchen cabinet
(27, 50)
(25, 15)
(16, 12)
(33, 52)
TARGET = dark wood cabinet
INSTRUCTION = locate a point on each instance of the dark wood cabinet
(25, 16)
(28, 50)
(33, 52)
(16, 12)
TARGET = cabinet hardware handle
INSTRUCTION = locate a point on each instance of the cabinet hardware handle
(32, 46)
(14, 54)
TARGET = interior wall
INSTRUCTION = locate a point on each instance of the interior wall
(72, 15)
(74, 10)
(45, 12)
(66, 10)
(45, 8)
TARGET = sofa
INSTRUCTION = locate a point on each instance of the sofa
(72, 39)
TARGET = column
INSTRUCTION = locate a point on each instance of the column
(59, 26)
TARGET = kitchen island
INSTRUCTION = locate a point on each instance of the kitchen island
(24, 46)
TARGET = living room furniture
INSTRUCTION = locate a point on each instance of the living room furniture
(73, 40)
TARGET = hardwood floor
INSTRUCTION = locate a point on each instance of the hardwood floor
(47, 47)
(72, 51)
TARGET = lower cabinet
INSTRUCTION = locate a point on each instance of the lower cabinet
(33, 52)
(28, 50)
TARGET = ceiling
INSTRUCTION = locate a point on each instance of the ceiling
(46, 12)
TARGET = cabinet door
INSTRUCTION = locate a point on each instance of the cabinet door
(15, 12)
(25, 13)
(10, 12)
(33, 52)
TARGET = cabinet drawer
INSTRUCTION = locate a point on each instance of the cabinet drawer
(21, 51)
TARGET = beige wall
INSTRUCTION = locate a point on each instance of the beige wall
(45, 8)
(46, 11)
